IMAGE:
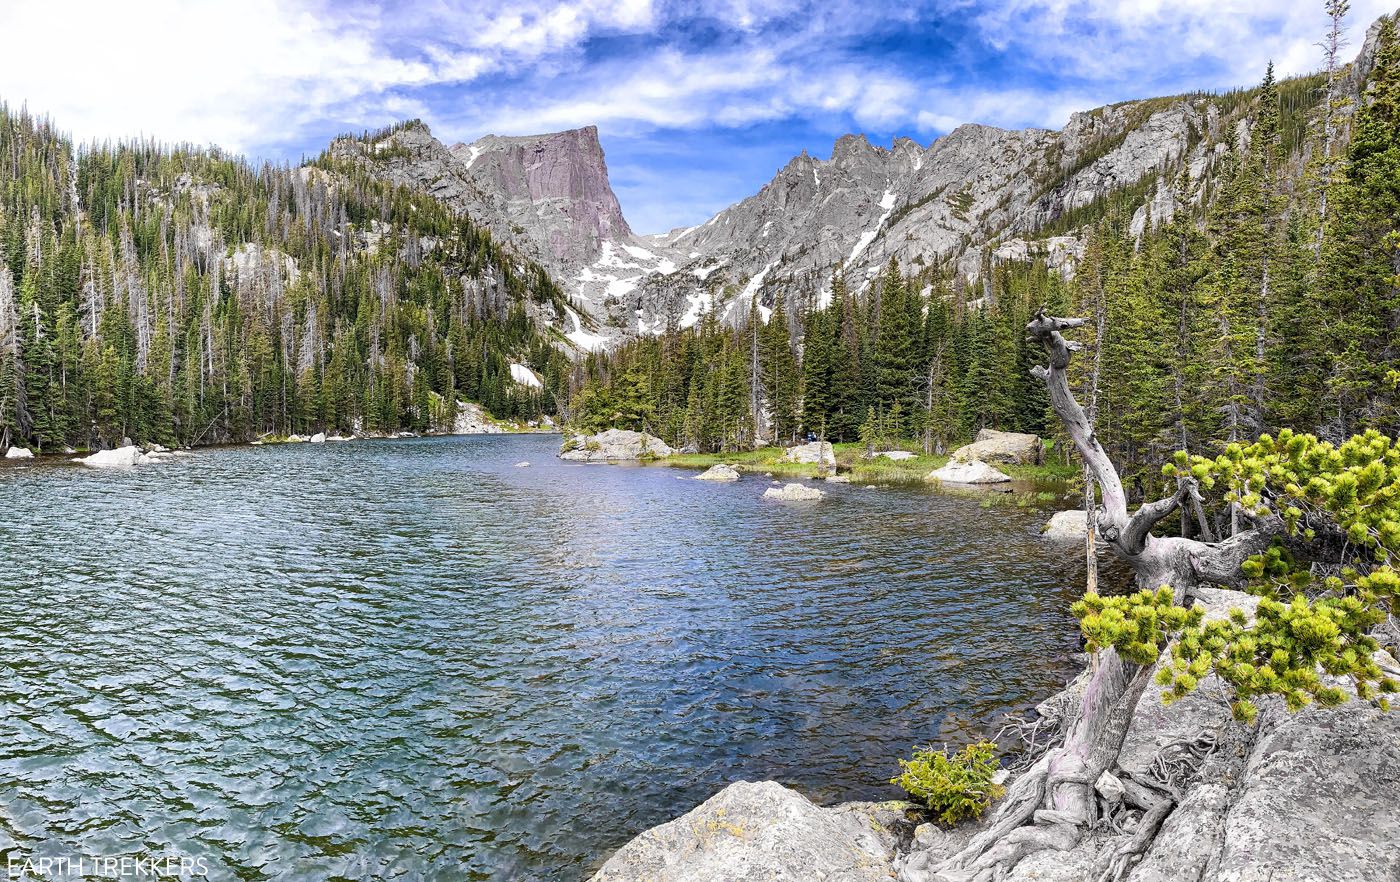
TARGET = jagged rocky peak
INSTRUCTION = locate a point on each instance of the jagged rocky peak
(554, 185)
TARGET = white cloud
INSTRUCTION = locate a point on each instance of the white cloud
(274, 77)
(1166, 40)
(260, 72)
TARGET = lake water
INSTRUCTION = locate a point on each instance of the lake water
(410, 659)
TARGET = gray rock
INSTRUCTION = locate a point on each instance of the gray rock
(1320, 800)
(719, 472)
(762, 832)
(820, 452)
(838, 479)
(318, 438)
(19, 453)
(121, 457)
(1110, 788)
(896, 455)
(614, 445)
(1066, 526)
(522, 465)
(968, 473)
(794, 493)
(1002, 447)
(472, 419)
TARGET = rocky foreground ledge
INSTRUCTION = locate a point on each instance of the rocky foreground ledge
(1306, 797)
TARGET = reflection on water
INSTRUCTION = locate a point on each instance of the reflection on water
(412, 660)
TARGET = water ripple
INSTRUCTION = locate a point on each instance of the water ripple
(410, 660)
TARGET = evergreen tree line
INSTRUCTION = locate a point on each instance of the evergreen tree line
(175, 295)
(911, 359)
(1270, 298)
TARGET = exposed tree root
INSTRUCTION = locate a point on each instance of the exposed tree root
(1115, 864)
(1030, 739)
(1178, 764)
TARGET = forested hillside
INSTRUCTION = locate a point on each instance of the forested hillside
(178, 295)
(1263, 294)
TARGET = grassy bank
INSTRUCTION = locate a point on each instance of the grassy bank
(850, 460)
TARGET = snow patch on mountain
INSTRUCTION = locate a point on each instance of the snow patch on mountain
(525, 377)
(887, 203)
(581, 338)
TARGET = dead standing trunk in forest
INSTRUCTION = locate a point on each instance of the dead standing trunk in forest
(1053, 803)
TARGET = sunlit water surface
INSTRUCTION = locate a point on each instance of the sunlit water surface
(413, 660)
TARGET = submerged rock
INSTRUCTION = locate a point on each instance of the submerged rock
(838, 479)
(819, 452)
(994, 446)
(719, 472)
(614, 445)
(976, 472)
(793, 493)
(764, 832)
(522, 465)
(1066, 526)
(19, 453)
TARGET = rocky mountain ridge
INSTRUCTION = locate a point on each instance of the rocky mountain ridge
(976, 195)
(978, 186)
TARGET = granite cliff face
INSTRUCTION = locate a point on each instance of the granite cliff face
(976, 195)
(555, 187)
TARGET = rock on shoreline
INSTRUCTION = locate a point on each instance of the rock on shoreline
(124, 457)
(614, 445)
(764, 832)
(1008, 447)
(819, 452)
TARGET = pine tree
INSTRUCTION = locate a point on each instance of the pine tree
(781, 379)
(1361, 260)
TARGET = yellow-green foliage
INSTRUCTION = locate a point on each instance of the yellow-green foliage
(1303, 625)
(1281, 652)
(1137, 625)
(956, 787)
(1355, 486)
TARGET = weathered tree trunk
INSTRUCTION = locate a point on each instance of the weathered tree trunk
(1053, 804)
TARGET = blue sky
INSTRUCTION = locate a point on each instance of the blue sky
(697, 103)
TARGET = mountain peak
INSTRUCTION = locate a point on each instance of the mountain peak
(554, 185)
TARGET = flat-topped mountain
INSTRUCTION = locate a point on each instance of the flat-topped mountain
(555, 187)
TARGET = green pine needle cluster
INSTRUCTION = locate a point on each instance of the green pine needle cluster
(1137, 625)
(1353, 487)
